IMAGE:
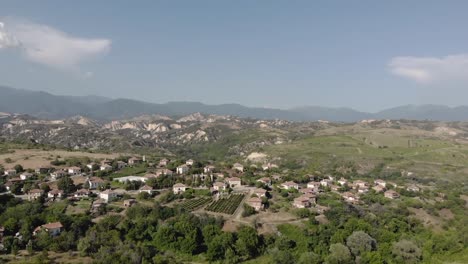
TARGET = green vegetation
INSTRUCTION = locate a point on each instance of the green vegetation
(195, 203)
(226, 205)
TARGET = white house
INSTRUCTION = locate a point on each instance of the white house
(325, 182)
(256, 203)
(147, 189)
(189, 162)
(380, 182)
(391, 194)
(182, 169)
(121, 164)
(10, 172)
(265, 180)
(290, 185)
(55, 193)
(313, 185)
(234, 182)
(35, 194)
(54, 229)
(134, 161)
(74, 170)
(105, 167)
(131, 179)
(350, 197)
(94, 182)
(208, 169)
(163, 162)
(108, 195)
(25, 175)
(342, 181)
(58, 174)
(179, 188)
(238, 167)
(260, 192)
(219, 186)
(301, 202)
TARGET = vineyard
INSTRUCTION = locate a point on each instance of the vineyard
(193, 204)
(226, 205)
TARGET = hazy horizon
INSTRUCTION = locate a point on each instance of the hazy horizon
(367, 56)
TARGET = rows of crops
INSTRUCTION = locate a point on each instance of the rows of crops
(193, 204)
(226, 205)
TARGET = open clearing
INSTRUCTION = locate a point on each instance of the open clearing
(33, 158)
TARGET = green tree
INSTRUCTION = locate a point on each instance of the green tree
(359, 242)
(248, 243)
(309, 258)
(66, 185)
(406, 251)
(339, 254)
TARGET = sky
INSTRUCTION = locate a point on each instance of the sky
(368, 55)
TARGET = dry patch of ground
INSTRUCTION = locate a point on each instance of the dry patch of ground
(34, 158)
(429, 221)
(67, 257)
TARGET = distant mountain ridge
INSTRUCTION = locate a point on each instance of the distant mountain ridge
(45, 105)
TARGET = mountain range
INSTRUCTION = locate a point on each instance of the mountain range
(45, 105)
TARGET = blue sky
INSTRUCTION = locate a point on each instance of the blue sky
(368, 55)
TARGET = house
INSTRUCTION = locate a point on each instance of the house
(378, 188)
(10, 172)
(106, 162)
(95, 182)
(325, 182)
(129, 202)
(256, 203)
(290, 185)
(26, 175)
(35, 194)
(108, 195)
(301, 202)
(208, 169)
(265, 180)
(413, 188)
(74, 170)
(313, 185)
(334, 187)
(57, 174)
(55, 193)
(54, 229)
(182, 169)
(189, 162)
(42, 170)
(164, 172)
(179, 188)
(260, 192)
(342, 181)
(131, 179)
(219, 186)
(380, 182)
(164, 162)
(350, 197)
(360, 184)
(312, 197)
(307, 190)
(105, 167)
(238, 167)
(234, 182)
(81, 193)
(363, 190)
(269, 166)
(121, 164)
(146, 189)
(91, 165)
(276, 177)
(134, 161)
(391, 194)
(331, 178)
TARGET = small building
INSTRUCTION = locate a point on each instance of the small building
(208, 169)
(108, 195)
(265, 180)
(325, 182)
(129, 202)
(380, 182)
(91, 165)
(146, 189)
(164, 162)
(378, 188)
(164, 172)
(10, 172)
(131, 179)
(54, 229)
(238, 167)
(335, 188)
(179, 188)
(360, 184)
(25, 176)
(256, 203)
(58, 174)
(413, 188)
(219, 186)
(55, 193)
(350, 197)
(290, 185)
(106, 162)
(269, 166)
(81, 193)
(301, 202)
(342, 181)
(134, 161)
(74, 170)
(42, 170)
(189, 162)
(314, 185)
(312, 197)
(391, 194)
(35, 194)
(105, 167)
(95, 182)
(260, 192)
(233, 182)
(182, 169)
(121, 165)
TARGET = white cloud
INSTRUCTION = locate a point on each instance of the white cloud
(431, 69)
(49, 46)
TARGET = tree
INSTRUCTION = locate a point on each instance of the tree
(281, 256)
(359, 242)
(309, 258)
(406, 251)
(339, 254)
(18, 168)
(248, 210)
(66, 185)
(247, 243)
